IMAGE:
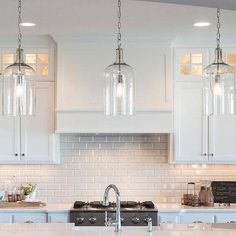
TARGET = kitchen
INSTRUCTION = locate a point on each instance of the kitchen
(164, 146)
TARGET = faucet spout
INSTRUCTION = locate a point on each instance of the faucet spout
(117, 222)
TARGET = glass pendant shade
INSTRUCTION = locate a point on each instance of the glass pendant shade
(119, 87)
(18, 88)
(219, 87)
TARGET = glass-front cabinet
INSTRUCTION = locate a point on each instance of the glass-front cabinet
(200, 138)
(189, 64)
(31, 139)
(41, 60)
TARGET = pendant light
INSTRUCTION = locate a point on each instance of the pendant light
(18, 83)
(119, 81)
(219, 83)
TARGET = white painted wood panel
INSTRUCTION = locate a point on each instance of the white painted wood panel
(59, 217)
(80, 75)
(37, 137)
(190, 138)
(223, 139)
(9, 131)
(29, 218)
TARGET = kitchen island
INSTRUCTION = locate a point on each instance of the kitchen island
(35, 229)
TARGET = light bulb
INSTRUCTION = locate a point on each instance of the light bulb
(19, 90)
(119, 90)
(217, 89)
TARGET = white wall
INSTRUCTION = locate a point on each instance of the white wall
(136, 163)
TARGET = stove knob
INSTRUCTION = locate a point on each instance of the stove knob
(135, 220)
(148, 219)
(92, 220)
(80, 220)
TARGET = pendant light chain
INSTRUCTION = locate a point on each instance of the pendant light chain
(119, 25)
(218, 28)
(19, 24)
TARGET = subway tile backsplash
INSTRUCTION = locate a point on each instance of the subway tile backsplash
(137, 164)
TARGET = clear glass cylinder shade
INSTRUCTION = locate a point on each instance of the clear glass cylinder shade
(119, 88)
(219, 88)
(18, 88)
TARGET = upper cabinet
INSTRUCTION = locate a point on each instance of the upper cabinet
(199, 138)
(80, 87)
(31, 140)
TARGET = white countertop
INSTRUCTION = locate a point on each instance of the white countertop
(163, 230)
(161, 208)
(47, 208)
(181, 208)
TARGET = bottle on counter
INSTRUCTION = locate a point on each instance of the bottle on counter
(209, 197)
(202, 196)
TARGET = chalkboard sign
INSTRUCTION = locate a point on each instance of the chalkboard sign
(224, 191)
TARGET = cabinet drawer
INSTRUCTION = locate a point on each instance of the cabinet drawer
(226, 218)
(197, 218)
(168, 218)
(6, 218)
(29, 218)
(58, 217)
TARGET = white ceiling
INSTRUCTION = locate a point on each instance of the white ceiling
(223, 4)
(98, 18)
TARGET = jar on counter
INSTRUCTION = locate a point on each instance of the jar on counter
(202, 196)
(209, 197)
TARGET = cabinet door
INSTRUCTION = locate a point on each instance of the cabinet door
(222, 139)
(37, 136)
(58, 217)
(226, 217)
(6, 218)
(9, 137)
(190, 138)
(194, 217)
(29, 218)
(170, 218)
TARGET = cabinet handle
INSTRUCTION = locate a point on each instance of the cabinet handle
(28, 222)
(197, 222)
(22, 154)
(212, 154)
(16, 154)
(204, 154)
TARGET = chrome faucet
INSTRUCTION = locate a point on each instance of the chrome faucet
(117, 221)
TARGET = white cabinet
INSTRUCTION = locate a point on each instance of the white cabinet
(196, 217)
(58, 217)
(222, 139)
(199, 138)
(31, 139)
(80, 87)
(29, 218)
(190, 137)
(6, 218)
(168, 217)
(38, 141)
(226, 217)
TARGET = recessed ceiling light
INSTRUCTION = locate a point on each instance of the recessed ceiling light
(27, 24)
(202, 24)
